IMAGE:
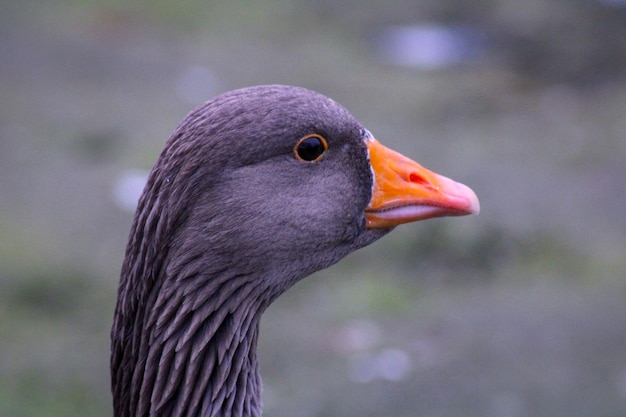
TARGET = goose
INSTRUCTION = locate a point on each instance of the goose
(254, 190)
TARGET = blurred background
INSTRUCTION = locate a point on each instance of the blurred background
(518, 312)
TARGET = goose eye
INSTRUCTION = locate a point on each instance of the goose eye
(310, 148)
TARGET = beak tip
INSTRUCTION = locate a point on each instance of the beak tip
(464, 193)
(474, 203)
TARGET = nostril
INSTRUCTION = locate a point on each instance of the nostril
(418, 179)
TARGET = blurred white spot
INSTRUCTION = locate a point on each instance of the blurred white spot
(128, 189)
(393, 364)
(196, 84)
(359, 335)
(430, 46)
(390, 364)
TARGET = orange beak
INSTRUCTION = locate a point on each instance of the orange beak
(404, 191)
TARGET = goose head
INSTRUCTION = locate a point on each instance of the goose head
(255, 189)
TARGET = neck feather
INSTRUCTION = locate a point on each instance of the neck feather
(193, 349)
(185, 331)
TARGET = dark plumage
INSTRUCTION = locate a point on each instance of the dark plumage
(230, 218)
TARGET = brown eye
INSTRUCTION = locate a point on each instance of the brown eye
(310, 148)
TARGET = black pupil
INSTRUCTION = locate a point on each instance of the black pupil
(310, 149)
